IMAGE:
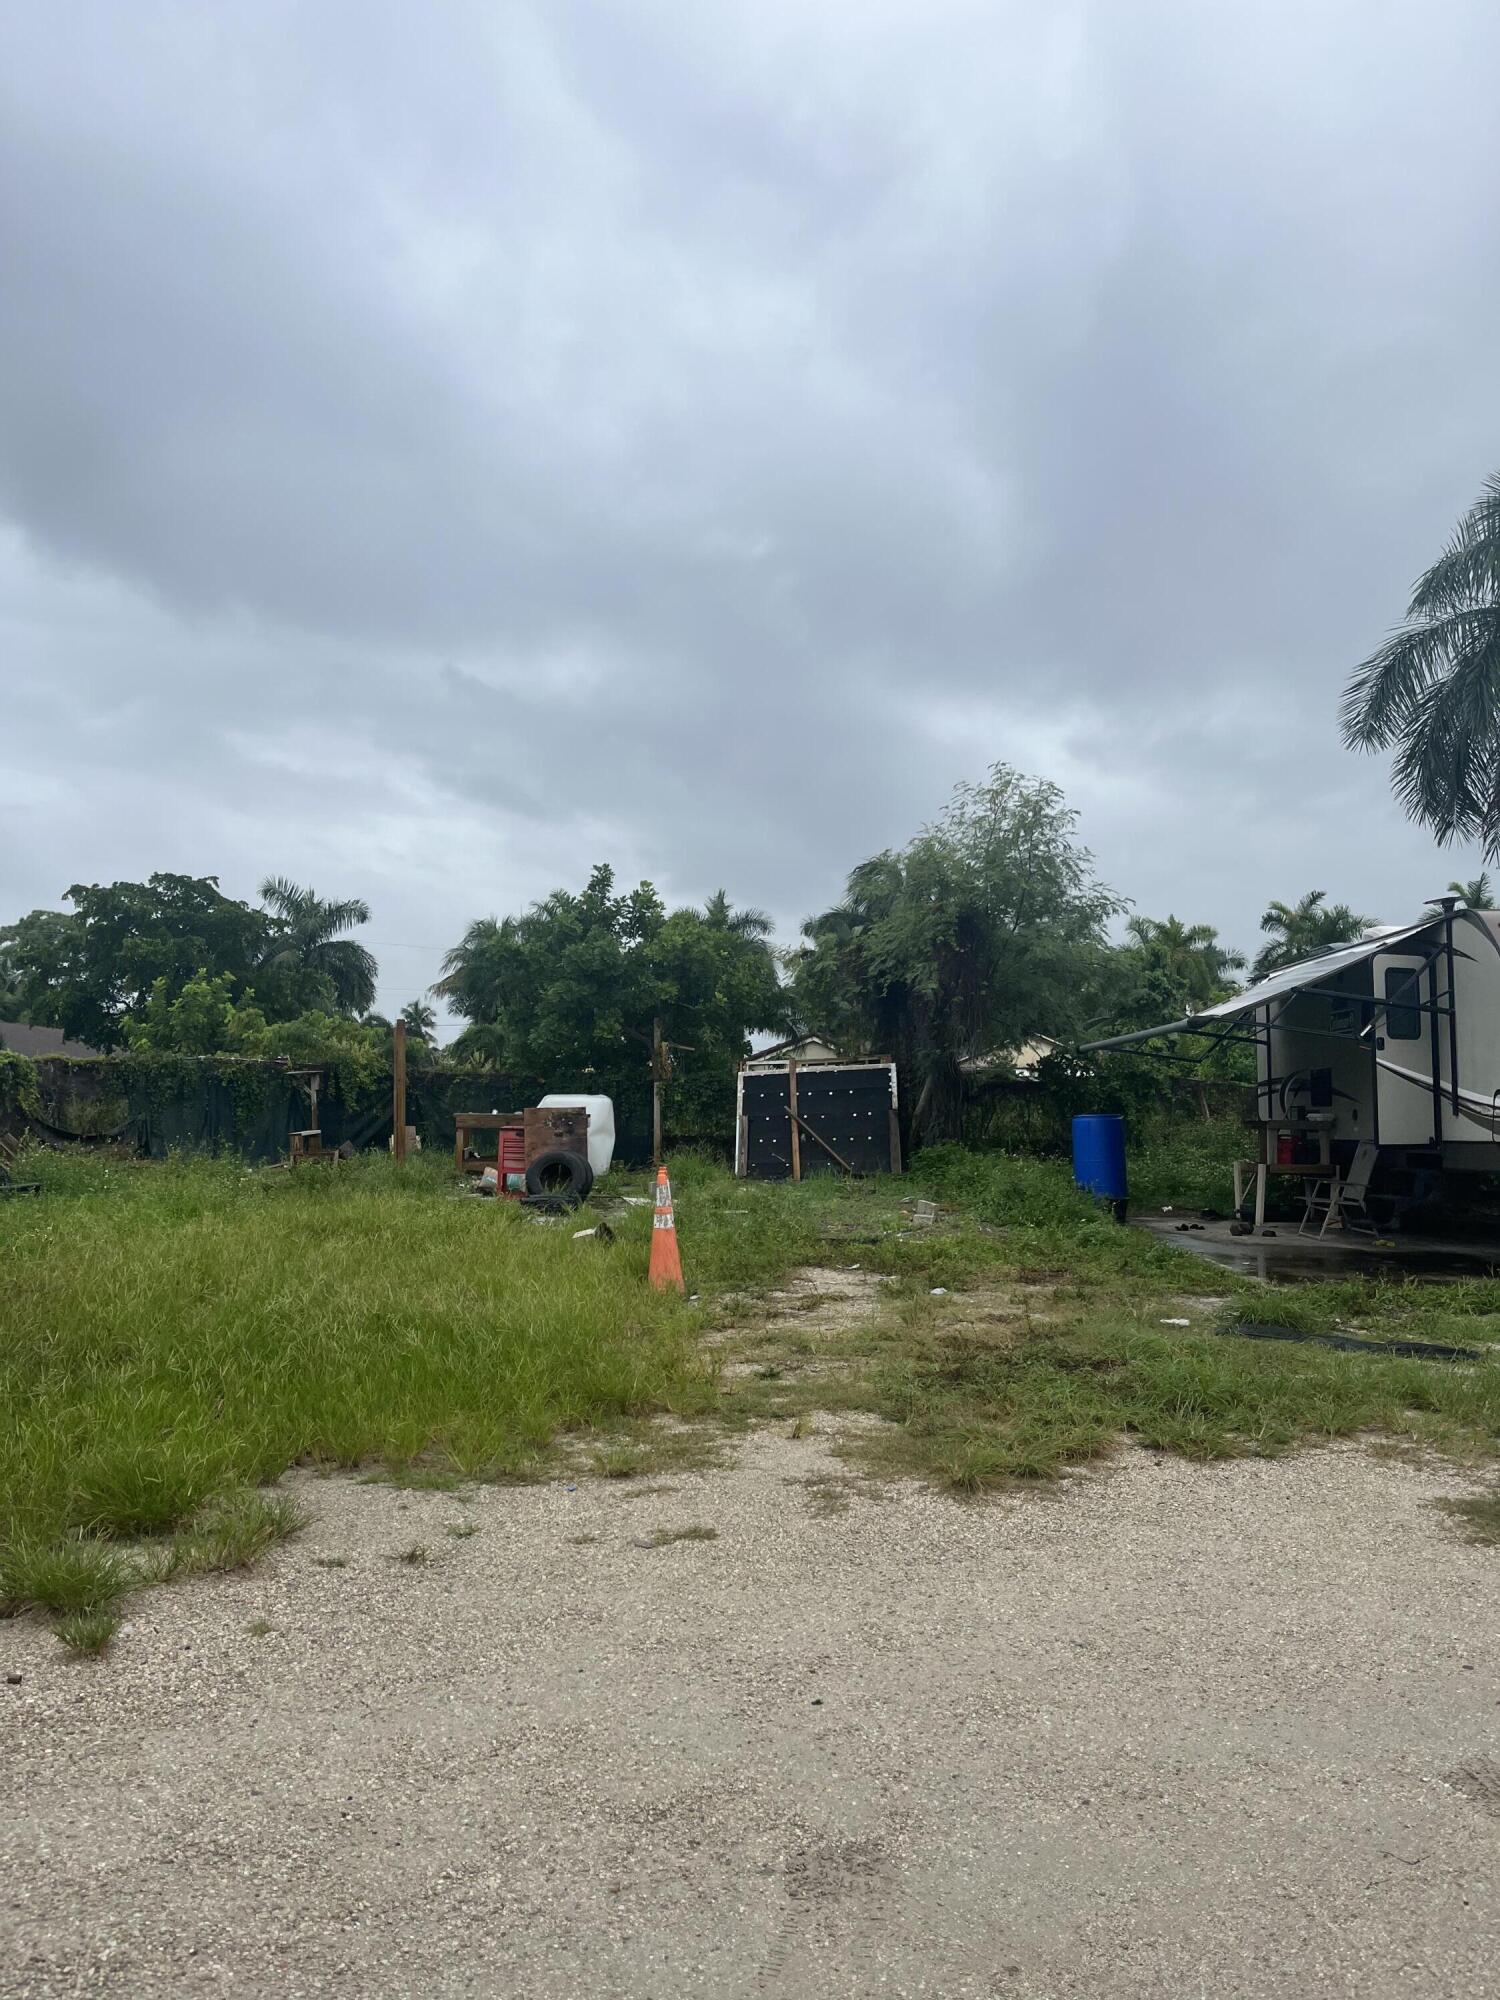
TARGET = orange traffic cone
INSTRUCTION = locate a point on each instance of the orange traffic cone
(666, 1264)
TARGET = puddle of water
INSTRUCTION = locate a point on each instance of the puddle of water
(1283, 1260)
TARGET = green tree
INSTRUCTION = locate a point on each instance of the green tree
(11, 984)
(1303, 929)
(1174, 968)
(1476, 894)
(1432, 691)
(308, 952)
(721, 913)
(420, 1019)
(84, 970)
(983, 931)
(359, 1051)
(567, 993)
(201, 1019)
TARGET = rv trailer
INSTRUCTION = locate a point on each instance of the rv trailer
(1392, 1042)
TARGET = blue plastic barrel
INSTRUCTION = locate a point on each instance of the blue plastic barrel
(1099, 1156)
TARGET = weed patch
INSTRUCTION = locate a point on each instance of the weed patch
(68, 1577)
(88, 1632)
(622, 1461)
(234, 1531)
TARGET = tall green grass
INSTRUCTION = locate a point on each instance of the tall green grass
(169, 1334)
(173, 1336)
(1188, 1164)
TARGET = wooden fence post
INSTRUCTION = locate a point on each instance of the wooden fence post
(399, 1106)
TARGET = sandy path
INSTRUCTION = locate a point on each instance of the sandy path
(1177, 1730)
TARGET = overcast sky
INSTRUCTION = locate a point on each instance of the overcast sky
(442, 447)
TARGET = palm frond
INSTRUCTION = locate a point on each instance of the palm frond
(1385, 691)
(1467, 573)
(281, 893)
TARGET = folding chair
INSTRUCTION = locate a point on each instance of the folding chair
(1337, 1198)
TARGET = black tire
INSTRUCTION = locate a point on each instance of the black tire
(560, 1172)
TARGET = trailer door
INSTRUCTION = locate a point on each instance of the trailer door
(1404, 1107)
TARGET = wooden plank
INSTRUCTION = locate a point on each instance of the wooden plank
(895, 1141)
(791, 1105)
(818, 1139)
(549, 1127)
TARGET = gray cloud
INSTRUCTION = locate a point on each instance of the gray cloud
(764, 416)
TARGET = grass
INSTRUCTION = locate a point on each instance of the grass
(1480, 1516)
(233, 1531)
(1049, 1347)
(662, 1538)
(174, 1334)
(1188, 1165)
(622, 1461)
(68, 1577)
(174, 1337)
(80, 1579)
(88, 1632)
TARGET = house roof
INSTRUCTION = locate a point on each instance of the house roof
(22, 1038)
(792, 1042)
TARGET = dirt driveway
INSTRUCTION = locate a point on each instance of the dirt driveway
(1176, 1730)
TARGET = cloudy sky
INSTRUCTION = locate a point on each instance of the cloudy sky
(444, 446)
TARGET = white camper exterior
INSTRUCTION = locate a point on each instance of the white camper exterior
(1392, 1042)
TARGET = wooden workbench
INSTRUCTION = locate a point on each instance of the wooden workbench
(467, 1122)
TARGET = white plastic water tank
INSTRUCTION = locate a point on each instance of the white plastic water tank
(601, 1112)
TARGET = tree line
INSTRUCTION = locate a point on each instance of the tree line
(988, 928)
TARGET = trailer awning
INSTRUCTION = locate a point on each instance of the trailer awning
(1277, 985)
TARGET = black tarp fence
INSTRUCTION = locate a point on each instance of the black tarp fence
(215, 1104)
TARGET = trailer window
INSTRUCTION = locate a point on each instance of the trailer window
(1403, 1018)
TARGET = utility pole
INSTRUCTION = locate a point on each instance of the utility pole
(399, 1107)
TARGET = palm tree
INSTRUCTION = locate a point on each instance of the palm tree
(420, 1019)
(1475, 895)
(1183, 965)
(718, 910)
(1432, 691)
(1305, 928)
(307, 940)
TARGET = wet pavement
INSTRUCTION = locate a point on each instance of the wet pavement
(1285, 1258)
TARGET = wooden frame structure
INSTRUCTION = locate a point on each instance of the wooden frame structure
(795, 1118)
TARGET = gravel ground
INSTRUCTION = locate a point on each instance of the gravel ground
(1176, 1730)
